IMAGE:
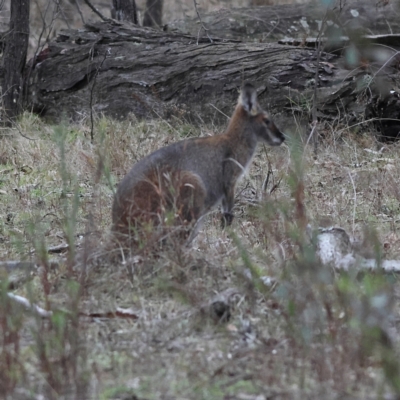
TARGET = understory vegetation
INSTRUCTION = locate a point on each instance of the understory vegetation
(248, 312)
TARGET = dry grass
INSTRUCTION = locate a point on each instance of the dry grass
(296, 329)
(310, 334)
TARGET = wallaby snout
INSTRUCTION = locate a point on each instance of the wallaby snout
(264, 126)
(176, 185)
(275, 136)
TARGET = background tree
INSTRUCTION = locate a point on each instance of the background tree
(15, 59)
(124, 10)
(153, 13)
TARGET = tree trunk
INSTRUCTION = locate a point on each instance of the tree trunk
(124, 10)
(118, 69)
(153, 13)
(15, 59)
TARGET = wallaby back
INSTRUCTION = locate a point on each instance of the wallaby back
(177, 184)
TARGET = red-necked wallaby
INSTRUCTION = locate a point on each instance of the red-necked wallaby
(187, 179)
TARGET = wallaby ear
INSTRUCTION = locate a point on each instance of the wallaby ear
(248, 99)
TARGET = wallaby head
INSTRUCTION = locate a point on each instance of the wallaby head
(185, 180)
(257, 120)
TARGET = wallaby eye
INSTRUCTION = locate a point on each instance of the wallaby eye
(266, 120)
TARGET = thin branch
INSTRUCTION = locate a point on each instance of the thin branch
(383, 66)
(96, 11)
(12, 265)
(61, 11)
(222, 113)
(91, 93)
(80, 12)
(119, 312)
(353, 225)
(15, 126)
(58, 249)
(201, 23)
(30, 306)
(40, 46)
(316, 81)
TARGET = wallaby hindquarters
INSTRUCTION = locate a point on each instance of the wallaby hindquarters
(177, 184)
(161, 197)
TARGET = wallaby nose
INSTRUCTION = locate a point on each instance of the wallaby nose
(278, 138)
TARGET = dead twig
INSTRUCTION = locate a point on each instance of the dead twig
(35, 309)
(119, 312)
(13, 265)
(202, 25)
(314, 123)
(92, 90)
(30, 306)
(96, 11)
(58, 249)
(80, 12)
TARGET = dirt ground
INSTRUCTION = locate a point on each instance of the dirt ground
(289, 327)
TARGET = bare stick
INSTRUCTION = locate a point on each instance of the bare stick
(202, 25)
(311, 135)
(40, 46)
(315, 94)
(58, 249)
(61, 10)
(355, 202)
(91, 93)
(119, 312)
(96, 11)
(80, 12)
(30, 306)
(316, 81)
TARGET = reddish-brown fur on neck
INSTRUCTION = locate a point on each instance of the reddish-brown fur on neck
(236, 121)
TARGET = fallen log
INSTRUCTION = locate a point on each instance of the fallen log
(117, 69)
(299, 21)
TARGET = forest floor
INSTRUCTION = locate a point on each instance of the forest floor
(293, 328)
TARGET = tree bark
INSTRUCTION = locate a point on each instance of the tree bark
(298, 21)
(153, 13)
(15, 59)
(124, 10)
(119, 69)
